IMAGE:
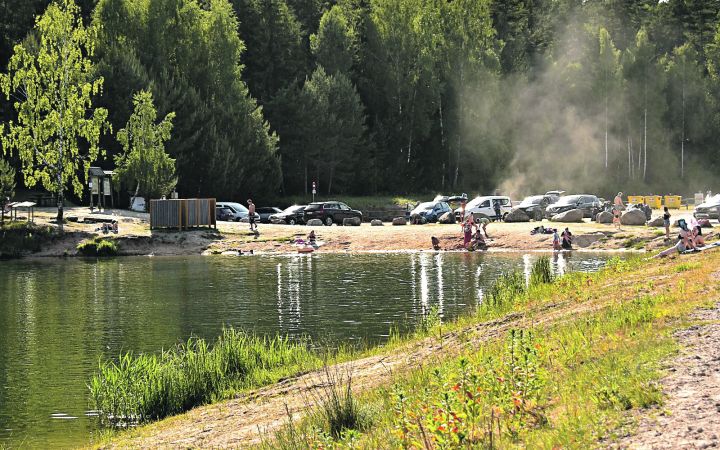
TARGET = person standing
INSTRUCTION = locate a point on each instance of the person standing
(467, 228)
(618, 206)
(567, 239)
(666, 223)
(556, 241)
(251, 215)
(618, 203)
(496, 206)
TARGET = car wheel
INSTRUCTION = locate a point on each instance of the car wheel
(328, 221)
(504, 216)
(291, 222)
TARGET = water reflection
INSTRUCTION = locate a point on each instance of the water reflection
(59, 317)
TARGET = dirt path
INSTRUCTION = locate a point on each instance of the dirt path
(690, 418)
(244, 421)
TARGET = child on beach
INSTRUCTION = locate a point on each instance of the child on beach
(467, 228)
(556, 241)
(666, 223)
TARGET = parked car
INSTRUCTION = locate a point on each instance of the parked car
(330, 212)
(534, 205)
(589, 204)
(430, 211)
(266, 212)
(223, 213)
(484, 207)
(291, 216)
(709, 209)
(239, 212)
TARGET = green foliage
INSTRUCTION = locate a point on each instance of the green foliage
(7, 186)
(140, 388)
(145, 163)
(57, 130)
(98, 246)
(506, 289)
(541, 272)
(334, 46)
(19, 238)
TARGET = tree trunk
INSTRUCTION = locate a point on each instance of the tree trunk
(682, 133)
(645, 144)
(606, 129)
(306, 174)
(442, 138)
(61, 201)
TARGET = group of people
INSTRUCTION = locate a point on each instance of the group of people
(562, 241)
(687, 239)
(475, 234)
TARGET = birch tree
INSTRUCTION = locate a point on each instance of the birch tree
(145, 163)
(7, 185)
(51, 83)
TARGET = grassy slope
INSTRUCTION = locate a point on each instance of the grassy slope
(554, 384)
(597, 341)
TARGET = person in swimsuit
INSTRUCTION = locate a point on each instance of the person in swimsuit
(467, 228)
(666, 223)
(251, 215)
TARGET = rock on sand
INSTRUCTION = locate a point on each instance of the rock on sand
(574, 215)
(448, 217)
(315, 223)
(517, 215)
(376, 223)
(352, 221)
(633, 217)
(657, 222)
(399, 221)
(604, 217)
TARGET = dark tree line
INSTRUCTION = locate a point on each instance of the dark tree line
(368, 96)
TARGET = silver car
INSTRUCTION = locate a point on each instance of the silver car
(709, 209)
(239, 211)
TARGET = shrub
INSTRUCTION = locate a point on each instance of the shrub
(541, 272)
(98, 247)
(17, 238)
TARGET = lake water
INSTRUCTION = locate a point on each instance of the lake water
(58, 318)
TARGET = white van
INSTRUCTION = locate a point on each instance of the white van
(239, 211)
(481, 207)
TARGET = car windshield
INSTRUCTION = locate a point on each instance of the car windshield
(532, 200)
(474, 203)
(236, 207)
(427, 206)
(569, 200)
(293, 208)
(711, 201)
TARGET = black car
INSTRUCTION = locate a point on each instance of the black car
(266, 212)
(430, 211)
(291, 216)
(534, 205)
(589, 204)
(223, 213)
(330, 212)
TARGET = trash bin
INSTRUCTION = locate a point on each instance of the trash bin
(673, 201)
(654, 201)
(635, 199)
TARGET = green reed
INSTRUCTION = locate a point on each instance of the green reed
(141, 388)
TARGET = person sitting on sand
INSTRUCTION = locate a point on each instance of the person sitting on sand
(435, 243)
(684, 243)
(467, 228)
(311, 236)
(566, 239)
(697, 236)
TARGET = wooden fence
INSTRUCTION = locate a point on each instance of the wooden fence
(182, 213)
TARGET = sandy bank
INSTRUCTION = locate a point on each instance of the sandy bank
(136, 238)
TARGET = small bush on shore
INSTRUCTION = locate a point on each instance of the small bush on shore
(541, 272)
(98, 247)
(17, 238)
(140, 388)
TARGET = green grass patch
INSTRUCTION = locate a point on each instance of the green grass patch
(145, 387)
(683, 267)
(19, 238)
(98, 246)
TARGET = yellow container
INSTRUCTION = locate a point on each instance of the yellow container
(654, 201)
(635, 199)
(673, 201)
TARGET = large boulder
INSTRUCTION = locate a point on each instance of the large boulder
(399, 221)
(315, 223)
(633, 217)
(657, 222)
(352, 221)
(376, 223)
(517, 215)
(586, 240)
(574, 215)
(448, 217)
(604, 217)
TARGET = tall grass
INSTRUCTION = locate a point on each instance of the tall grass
(505, 290)
(98, 246)
(140, 388)
(541, 272)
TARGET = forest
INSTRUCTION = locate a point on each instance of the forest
(395, 96)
